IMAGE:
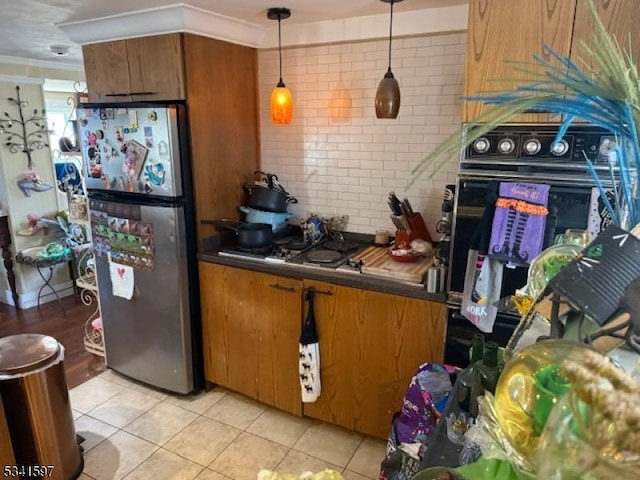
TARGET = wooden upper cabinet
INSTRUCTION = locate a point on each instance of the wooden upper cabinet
(156, 67)
(138, 69)
(106, 69)
(620, 17)
(502, 30)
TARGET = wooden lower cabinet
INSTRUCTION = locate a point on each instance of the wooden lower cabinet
(251, 325)
(370, 346)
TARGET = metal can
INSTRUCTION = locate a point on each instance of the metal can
(435, 278)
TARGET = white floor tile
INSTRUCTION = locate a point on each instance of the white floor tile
(124, 407)
(280, 427)
(235, 410)
(349, 475)
(164, 465)
(117, 456)
(207, 474)
(202, 440)
(92, 393)
(329, 443)
(198, 403)
(247, 455)
(297, 462)
(161, 423)
(368, 457)
(93, 431)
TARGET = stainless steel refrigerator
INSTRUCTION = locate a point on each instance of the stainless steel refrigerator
(138, 177)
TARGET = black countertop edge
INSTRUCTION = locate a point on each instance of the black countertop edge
(355, 280)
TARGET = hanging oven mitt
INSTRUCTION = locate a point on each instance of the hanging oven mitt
(517, 233)
(309, 354)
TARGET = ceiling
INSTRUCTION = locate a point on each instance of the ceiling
(28, 27)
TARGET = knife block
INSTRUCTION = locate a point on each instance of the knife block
(418, 230)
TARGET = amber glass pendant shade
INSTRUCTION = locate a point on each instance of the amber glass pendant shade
(281, 105)
(388, 97)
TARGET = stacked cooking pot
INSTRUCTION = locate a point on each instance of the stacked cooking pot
(266, 211)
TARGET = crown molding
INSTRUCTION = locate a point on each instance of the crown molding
(161, 20)
(30, 62)
(415, 22)
(21, 79)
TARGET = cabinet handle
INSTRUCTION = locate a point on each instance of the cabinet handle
(142, 93)
(277, 286)
(117, 94)
(319, 292)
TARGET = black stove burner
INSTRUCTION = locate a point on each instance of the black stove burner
(291, 243)
(256, 250)
(323, 256)
(342, 247)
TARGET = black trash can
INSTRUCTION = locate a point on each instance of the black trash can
(33, 388)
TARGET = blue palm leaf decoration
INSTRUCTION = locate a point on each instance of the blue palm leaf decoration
(605, 94)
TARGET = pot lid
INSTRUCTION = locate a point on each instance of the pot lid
(26, 351)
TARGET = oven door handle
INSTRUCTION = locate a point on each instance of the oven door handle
(574, 180)
(469, 212)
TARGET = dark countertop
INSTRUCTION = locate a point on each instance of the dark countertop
(347, 279)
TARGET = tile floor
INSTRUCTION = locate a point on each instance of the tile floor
(135, 432)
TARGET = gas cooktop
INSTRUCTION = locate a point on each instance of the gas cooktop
(326, 254)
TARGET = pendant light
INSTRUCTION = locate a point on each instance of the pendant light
(281, 105)
(388, 93)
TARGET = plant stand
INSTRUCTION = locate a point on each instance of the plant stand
(86, 281)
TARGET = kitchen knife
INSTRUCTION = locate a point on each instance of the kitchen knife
(394, 203)
(408, 205)
(406, 213)
(397, 222)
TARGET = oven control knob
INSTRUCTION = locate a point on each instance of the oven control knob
(532, 146)
(506, 145)
(559, 148)
(481, 145)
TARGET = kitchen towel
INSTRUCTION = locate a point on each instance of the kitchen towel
(122, 282)
(518, 226)
(482, 284)
(309, 355)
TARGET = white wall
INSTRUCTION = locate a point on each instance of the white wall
(335, 156)
(12, 166)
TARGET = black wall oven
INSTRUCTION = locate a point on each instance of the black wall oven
(523, 154)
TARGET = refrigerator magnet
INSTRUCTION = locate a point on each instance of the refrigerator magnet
(118, 131)
(163, 148)
(109, 113)
(152, 117)
(155, 173)
(133, 117)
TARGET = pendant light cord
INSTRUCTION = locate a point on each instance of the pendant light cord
(280, 48)
(390, 36)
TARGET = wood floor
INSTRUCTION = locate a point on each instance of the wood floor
(66, 326)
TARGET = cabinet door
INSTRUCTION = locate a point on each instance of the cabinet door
(502, 30)
(156, 67)
(106, 70)
(251, 329)
(620, 18)
(370, 346)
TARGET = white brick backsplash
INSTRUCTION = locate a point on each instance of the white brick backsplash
(336, 157)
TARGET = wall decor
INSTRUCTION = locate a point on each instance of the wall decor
(32, 181)
(30, 132)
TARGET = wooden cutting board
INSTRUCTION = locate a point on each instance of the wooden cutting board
(376, 261)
